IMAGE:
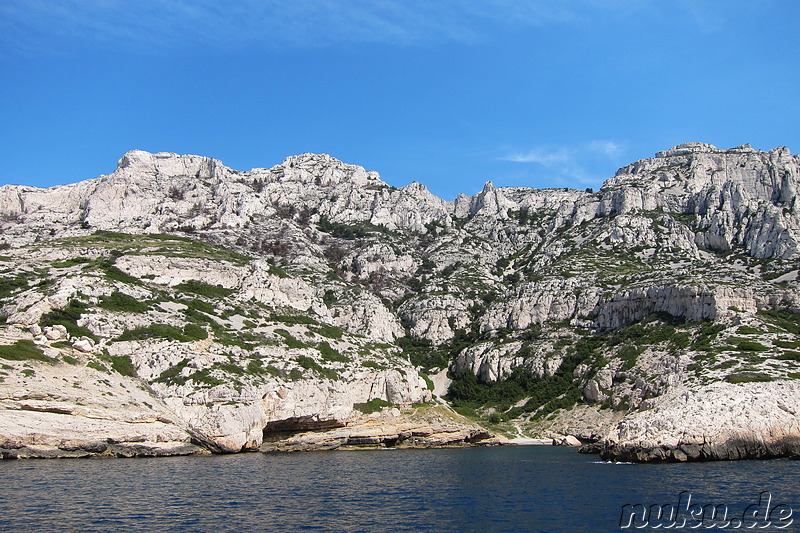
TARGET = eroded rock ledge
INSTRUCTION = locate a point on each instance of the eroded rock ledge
(425, 427)
(744, 447)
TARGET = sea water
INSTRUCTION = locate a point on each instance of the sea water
(526, 488)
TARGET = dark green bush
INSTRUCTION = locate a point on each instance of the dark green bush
(204, 289)
(372, 406)
(784, 319)
(171, 374)
(9, 285)
(309, 364)
(71, 262)
(195, 332)
(749, 377)
(122, 364)
(190, 332)
(751, 346)
(24, 350)
(68, 317)
(331, 354)
(332, 332)
(293, 319)
(119, 301)
(199, 305)
(291, 341)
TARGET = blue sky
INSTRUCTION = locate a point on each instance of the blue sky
(450, 93)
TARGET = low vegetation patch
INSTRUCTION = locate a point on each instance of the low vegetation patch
(332, 332)
(190, 332)
(359, 230)
(784, 319)
(750, 346)
(68, 317)
(372, 406)
(9, 285)
(24, 350)
(292, 320)
(204, 289)
(309, 364)
(749, 377)
(122, 364)
(290, 340)
(331, 354)
(119, 301)
(71, 262)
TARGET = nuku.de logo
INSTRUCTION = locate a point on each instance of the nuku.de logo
(686, 514)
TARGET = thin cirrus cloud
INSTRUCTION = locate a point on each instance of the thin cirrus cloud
(155, 25)
(573, 164)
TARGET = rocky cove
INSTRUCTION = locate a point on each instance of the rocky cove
(178, 306)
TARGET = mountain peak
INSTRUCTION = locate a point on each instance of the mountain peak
(688, 148)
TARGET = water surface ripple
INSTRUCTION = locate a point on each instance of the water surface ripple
(475, 489)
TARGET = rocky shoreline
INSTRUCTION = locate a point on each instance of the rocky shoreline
(47, 435)
(741, 448)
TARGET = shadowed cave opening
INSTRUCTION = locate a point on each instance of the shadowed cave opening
(281, 429)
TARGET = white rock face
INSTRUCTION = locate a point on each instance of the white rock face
(721, 421)
(274, 298)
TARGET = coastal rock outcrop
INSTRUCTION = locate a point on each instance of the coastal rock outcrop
(180, 306)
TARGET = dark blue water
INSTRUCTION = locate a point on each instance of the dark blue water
(475, 489)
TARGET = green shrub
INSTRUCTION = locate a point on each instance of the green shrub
(358, 230)
(173, 372)
(278, 271)
(749, 377)
(71, 262)
(422, 352)
(119, 301)
(371, 406)
(199, 305)
(100, 367)
(794, 345)
(204, 289)
(24, 350)
(331, 354)
(69, 359)
(68, 317)
(204, 377)
(784, 319)
(747, 330)
(629, 354)
(293, 319)
(122, 364)
(751, 346)
(195, 332)
(230, 368)
(291, 341)
(190, 332)
(309, 364)
(254, 367)
(332, 332)
(790, 355)
(9, 285)
(428, 381)
(115, 274)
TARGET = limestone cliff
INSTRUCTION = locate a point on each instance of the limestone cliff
(177, 305)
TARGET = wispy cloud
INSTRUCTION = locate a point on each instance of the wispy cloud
(610, 149)
(575, 164)
(547, 157)
(36, 25)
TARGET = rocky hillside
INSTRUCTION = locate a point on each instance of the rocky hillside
(177, 304)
